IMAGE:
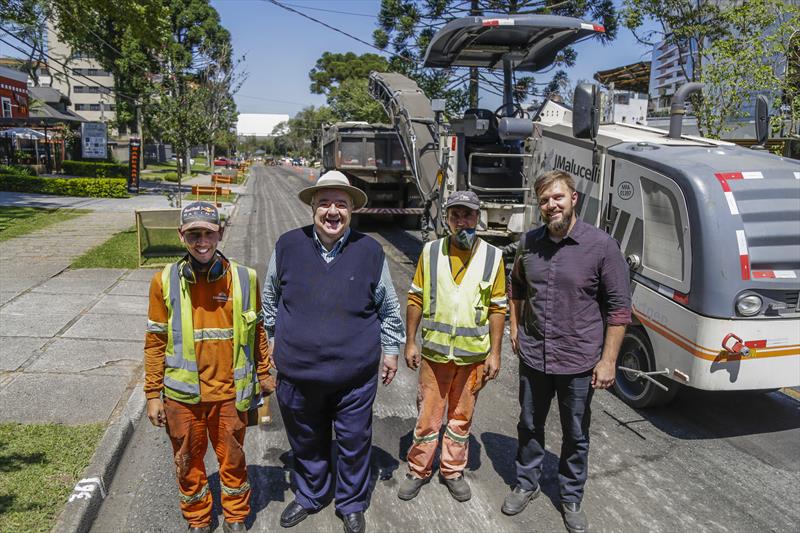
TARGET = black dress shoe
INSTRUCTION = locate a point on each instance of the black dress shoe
(293, 514)
(354, 522)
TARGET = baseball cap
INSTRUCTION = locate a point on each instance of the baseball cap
(465, 198)
(200, 215)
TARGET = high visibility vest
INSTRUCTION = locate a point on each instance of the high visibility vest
(181, 380)
(455, 316)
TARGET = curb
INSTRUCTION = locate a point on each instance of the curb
(83, 504)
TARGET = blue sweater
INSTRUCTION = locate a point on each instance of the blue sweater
(327, 329)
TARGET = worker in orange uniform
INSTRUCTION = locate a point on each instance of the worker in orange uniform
(458, 295)
(206, 360)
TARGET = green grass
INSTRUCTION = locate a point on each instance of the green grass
(189, 197)
(16, 221)
(120, 251)
(39, 466)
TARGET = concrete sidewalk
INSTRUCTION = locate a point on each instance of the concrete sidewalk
(75, 334)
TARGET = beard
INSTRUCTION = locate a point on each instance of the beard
(560, 225)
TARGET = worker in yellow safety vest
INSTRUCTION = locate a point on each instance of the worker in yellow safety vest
(458, 295)
(206, 361)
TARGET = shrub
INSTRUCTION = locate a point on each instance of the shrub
(92, 187)
(17, 170)
(90, 169)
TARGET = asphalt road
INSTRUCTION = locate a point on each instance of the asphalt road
(707, 462)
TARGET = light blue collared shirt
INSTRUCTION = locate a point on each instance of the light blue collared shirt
(392, 327)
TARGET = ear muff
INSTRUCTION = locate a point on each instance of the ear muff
(187, 271)
(215, 272)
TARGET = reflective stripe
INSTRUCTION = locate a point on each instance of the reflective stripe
(213, 334)
(156, 327)
(175, 303)
(445, 350)
(247, 392)
(179, 386)
(460, 439)
(427, 438)
(489, 264)
(433, 275)
(499, 301)
(230, 491)
(181, 363)
(457, 331)
(414, 289)
(241, 373)
(195, 498)
(244, 280)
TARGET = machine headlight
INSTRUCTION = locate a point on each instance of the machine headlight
(749, 304)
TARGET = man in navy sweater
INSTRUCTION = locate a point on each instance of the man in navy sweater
(331, 308)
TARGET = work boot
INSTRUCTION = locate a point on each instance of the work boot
(200, 529)
(458, 487)
(410, 486)
(233, 527)
(518, 499)
(574, 518)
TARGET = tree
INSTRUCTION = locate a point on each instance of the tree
(197, 40)
(409, 25)
(27, 21)
(301, 135)
(125, 37)
(736, 49)
(343, 78)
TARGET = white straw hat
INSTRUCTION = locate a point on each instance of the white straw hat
(334, 180)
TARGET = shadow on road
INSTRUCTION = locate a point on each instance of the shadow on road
(696, 414)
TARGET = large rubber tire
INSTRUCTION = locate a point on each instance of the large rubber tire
(636, 352)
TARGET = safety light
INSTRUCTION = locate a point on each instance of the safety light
(749, 304)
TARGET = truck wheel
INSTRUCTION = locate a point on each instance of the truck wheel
(636, 352)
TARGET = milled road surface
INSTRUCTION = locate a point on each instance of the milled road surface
(707, 462)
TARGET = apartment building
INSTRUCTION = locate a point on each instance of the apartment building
(88, 85)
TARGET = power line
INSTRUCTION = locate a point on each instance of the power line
(333, 11)
(337, 30)
(64, 72)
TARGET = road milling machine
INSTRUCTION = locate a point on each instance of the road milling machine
(711, 230)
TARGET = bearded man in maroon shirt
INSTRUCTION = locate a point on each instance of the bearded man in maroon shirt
(570, 304)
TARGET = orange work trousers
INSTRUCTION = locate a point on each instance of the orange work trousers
(456, 388)
(190, 427)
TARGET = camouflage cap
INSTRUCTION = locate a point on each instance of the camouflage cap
(200, 215)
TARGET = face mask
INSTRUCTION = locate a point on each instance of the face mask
(465, 238)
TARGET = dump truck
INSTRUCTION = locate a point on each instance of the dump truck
(711, 230)
(371, 156)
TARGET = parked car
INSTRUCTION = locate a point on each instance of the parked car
(223, 162)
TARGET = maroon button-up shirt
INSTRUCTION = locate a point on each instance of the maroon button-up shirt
(570, 291)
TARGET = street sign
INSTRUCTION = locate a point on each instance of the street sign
(134, 157)
(94, 139)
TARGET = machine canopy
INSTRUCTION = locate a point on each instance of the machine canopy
(531, 41)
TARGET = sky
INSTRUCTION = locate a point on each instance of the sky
(281, 47)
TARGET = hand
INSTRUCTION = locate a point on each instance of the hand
(155, 412)
(412, 356)
(491, 367)
(514, 339)
(389, 369)
(267, 385)
(604, 374)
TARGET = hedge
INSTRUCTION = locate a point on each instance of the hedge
(90, 169)
(17, 170)
(93, 187)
